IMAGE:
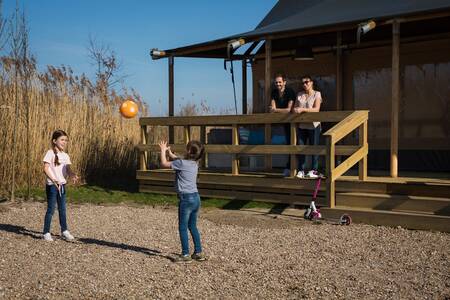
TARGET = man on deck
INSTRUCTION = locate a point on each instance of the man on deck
(282, 100)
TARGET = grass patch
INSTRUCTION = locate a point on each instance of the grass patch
(101, 195)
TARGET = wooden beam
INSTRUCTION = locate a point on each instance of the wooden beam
(203, 141)
(260, 149)
(244, 86)
(339, 71)
(350, 123)
(349, 162)
(362, 167)
(293, 139)
(187, 134)
(330, 184)
(143, 154)
(235, 158)
(171, 98)
(224, 120)
(395, 97)
(267, 75)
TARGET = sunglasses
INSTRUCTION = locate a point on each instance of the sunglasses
(306, 81)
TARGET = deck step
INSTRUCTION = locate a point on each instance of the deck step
(391, 218)
(399, 203)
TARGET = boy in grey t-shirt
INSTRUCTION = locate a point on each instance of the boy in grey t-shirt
(186, 171)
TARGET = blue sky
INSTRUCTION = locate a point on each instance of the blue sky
(60, 29)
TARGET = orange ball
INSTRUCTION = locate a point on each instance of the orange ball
(129, 109)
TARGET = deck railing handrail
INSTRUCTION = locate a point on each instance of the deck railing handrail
(347, 121)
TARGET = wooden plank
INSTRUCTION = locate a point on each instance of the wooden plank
(339, 70)
(349, 162)
(244, 86)
(362, 167)
(240, 180)
(395, 97)
(428, 205)
(171, 98)
(263, 118)
(293, 139)
(234, 158)
(393, 219)
(238, 195)
(350, 123)
(203, 141)
(143, 155)
(330, 185)
(260, 149)
(187, 134)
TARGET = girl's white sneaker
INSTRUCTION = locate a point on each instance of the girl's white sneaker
(48, 237)
(67, 236)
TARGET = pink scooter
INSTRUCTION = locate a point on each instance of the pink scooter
(313, 213)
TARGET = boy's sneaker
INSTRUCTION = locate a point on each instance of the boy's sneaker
(48, 237)
(198, 256)
(300, 174)
(182, 259)
(67, 236)
(286, 173)
(313, 174)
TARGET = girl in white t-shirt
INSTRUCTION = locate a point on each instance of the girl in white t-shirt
(57, 169)
(308, 100)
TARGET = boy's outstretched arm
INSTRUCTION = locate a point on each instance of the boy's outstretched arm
(164, 148)
(171, 154)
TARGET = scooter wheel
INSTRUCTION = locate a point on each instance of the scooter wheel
(345, 220)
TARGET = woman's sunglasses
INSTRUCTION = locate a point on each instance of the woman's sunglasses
(306, 81)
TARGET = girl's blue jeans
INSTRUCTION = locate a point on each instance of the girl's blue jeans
(53, 197)
(188, 209)
(305, 137)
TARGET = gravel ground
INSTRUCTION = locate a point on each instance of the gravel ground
(124, 252)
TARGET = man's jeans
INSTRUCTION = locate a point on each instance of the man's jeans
(188, 209)
(54, 196)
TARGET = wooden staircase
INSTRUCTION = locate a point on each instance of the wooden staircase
(407, 202)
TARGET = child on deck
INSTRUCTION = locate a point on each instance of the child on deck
(57, 168)
(186, 171)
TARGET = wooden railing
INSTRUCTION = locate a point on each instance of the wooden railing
(347, 121)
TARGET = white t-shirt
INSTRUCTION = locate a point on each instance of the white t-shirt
(306, 101)
(58, 171)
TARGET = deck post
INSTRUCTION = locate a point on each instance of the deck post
(395, 96)
(203, 141)
(362, 165)
(330, 192)
(171, 99)
(187, 134)
(339, 71)
(235, 159)
(143, 154)
(244, 86)
(293, 139)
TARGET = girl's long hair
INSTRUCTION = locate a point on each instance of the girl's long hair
(194, 150)
(57, 134)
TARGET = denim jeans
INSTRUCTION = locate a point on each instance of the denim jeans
(188, 209)
(53, 197)
(305, 136)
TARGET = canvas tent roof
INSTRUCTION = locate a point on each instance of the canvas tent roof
(298, 15)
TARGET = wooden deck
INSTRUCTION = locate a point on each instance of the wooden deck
(415, 203)
(411, 202)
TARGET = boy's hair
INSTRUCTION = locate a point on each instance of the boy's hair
(56, 134)
(194, 150)
(283, 76)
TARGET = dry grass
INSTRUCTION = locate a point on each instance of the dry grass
(100, 139)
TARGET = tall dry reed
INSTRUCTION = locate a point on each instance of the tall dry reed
(101, 141)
